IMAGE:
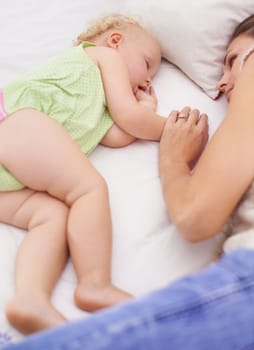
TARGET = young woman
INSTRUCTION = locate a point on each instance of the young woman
(201, 201)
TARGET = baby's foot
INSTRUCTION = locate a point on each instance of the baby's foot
(92, 297)
(243, 239)
(29, 316)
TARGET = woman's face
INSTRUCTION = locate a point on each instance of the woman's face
(232, 63)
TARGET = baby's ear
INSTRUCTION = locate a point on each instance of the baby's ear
(114, 39)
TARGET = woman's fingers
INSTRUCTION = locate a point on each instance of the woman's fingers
(172, 118)
(192, 116)
(184, 113)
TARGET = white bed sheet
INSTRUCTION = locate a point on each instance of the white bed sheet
(147, 250)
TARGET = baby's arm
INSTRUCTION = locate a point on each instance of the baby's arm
(133, 117)
(116, 137)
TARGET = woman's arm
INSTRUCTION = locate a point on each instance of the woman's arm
(130, 115)
(201, 201)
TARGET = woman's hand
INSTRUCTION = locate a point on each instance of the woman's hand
(147, 98)
(184, 137)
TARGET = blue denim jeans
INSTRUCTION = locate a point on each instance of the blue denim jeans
(211, 310)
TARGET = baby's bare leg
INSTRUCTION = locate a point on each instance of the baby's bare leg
(90, 244)
(40, 259)
(62, 170)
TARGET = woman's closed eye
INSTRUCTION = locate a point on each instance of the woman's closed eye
(231, 60)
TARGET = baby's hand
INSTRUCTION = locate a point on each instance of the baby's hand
(147, 98)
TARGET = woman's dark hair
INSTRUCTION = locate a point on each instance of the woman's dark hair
(245, 27)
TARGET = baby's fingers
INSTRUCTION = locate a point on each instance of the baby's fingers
(151, 91)
(140, 94)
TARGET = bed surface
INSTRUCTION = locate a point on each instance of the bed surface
(147, 250)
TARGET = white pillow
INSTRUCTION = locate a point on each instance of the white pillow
(193, 34)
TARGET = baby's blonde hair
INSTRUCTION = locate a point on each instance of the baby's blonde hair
(98, 27)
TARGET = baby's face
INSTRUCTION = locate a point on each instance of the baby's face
(142, 55)
(233, 63)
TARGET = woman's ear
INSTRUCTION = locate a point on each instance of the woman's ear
(114, 39)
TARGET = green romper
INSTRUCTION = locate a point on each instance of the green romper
(69, 89)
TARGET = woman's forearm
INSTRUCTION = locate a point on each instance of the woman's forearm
(175, 180)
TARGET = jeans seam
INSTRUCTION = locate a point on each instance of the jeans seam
(228, 268)
(207, 299)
